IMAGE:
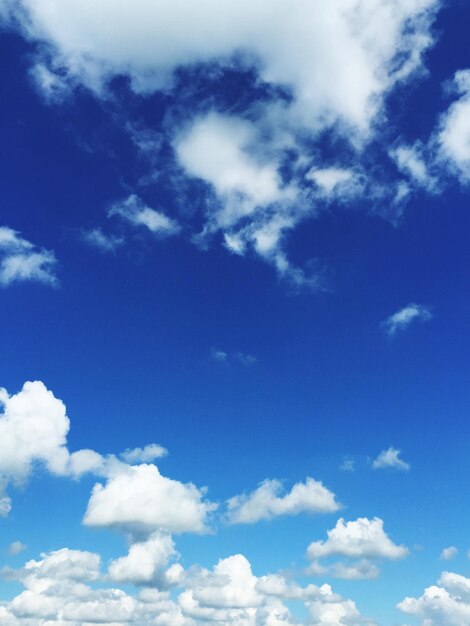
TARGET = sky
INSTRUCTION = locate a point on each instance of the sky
(234, 304)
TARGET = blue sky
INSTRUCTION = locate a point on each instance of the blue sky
(234, 313)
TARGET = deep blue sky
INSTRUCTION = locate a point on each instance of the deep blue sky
(127, 339)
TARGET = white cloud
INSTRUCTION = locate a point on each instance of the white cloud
(33, 428)
(334, 67)
(454, 134)
(65, 564)
(362, 538)
(402, 319)
(412, 162)
(144, 562)
(390, 459)
(21, 261)
(300, 48)
(56, 593)
(137, 213)
(103, 241)
(267, 501)
(144, 455)
(449, 553)
(16, 547)
(221, 150)
(329, 179)
(139, 499)
(444, 604)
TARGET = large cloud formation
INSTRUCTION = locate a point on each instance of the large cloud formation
(323, 68)
(57, 592)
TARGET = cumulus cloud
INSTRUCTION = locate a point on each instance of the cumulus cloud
(57, 592)
(390, 459)
(139, 499)
(361, 540)
(21, 261)
(402, 319)
(33, 432)
(268, 501)
(444, 604)
(33, 428)
(137, 213)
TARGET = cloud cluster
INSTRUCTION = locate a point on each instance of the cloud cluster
(33, 431)
(321, 70)
(57, 591)
(20, 260)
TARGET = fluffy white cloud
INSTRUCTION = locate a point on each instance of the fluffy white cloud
(65, 564)
(21, 261)
(57, 593)
(449, 553)
(33, 431)
(362, 538)
(454, 134)
(444, 604)
(337, 62)
(390, 459)
(402, 319)
(33, 428)
(145, 560)
(267, 501)
(139, 499)
(222, 151)
(137, 213)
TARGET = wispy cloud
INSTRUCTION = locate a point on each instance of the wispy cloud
(222, 356)
(136, 212)
(21, 261)
(105, 242)
(403, 318)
